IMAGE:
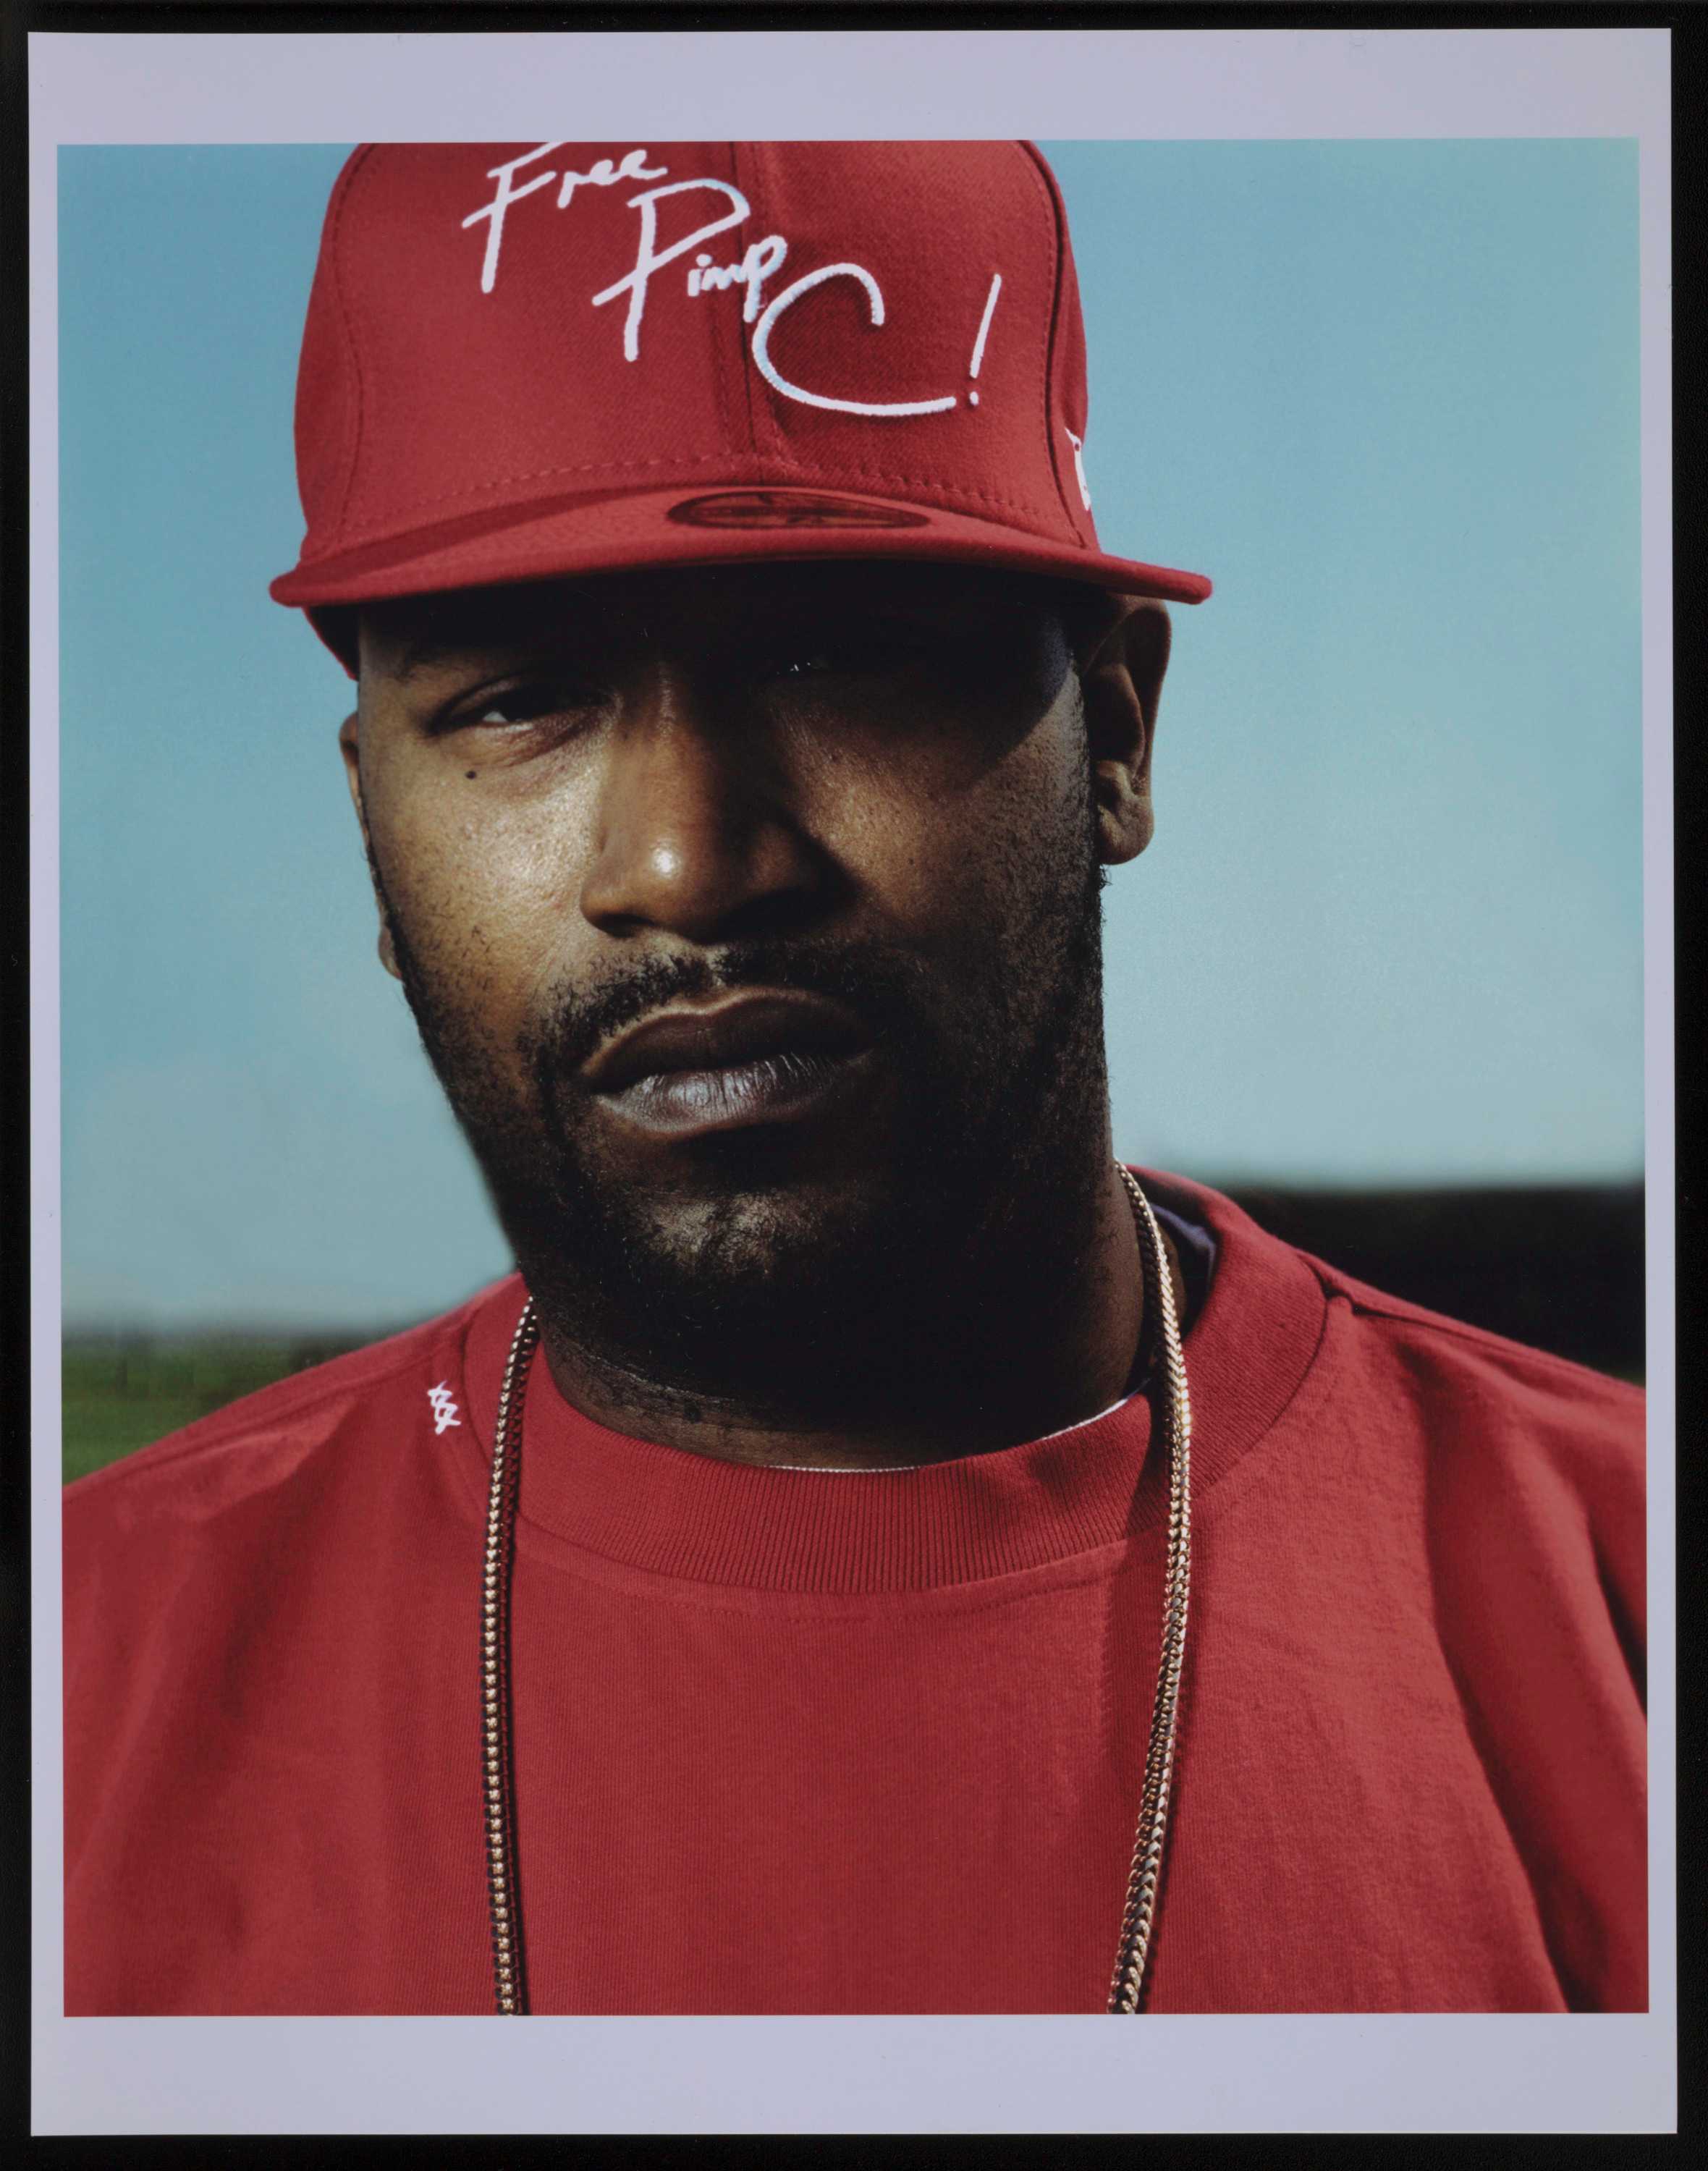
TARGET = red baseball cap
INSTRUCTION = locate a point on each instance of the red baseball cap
(538, 359)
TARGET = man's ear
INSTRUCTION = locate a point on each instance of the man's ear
(350, 746)
(1121, 679)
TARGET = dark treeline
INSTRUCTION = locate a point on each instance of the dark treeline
(1558, 1266)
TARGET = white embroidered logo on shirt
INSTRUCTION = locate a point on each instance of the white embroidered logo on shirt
(444, 1409)
(748, 274)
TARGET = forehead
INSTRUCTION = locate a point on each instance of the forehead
(653, 609)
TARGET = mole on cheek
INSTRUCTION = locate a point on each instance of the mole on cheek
(471, 774)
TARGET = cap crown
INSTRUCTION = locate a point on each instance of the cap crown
(500, 327)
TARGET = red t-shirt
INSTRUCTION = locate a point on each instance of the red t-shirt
(807, 1741)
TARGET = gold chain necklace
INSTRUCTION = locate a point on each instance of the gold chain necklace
(509, 1982)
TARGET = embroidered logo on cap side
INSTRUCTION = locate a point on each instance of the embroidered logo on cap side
(1078, 445)
(790, 508)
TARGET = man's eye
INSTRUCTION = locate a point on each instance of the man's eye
(866, 652)
(536, 701)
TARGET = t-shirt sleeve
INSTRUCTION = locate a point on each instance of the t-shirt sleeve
(1536, 1542)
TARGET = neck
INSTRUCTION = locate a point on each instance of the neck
(1013, 1349)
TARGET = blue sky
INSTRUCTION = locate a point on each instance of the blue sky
(1385, 394)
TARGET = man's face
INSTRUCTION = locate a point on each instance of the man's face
(749, 916)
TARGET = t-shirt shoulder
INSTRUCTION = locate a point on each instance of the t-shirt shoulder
(1505, 1422)
(1524, 1457)
(293, 1412)
(1537, 1369)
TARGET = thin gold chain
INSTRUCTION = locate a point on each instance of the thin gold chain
(509, 1982)
(509, 1985)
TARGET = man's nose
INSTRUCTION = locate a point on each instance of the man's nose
(697, 834)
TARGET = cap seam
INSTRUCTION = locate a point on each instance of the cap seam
(744, 372)
(717, 349)
(1036, 166)
(363, 159)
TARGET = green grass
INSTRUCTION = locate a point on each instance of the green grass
(120, 1395)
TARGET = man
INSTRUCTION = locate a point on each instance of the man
(773, 1599)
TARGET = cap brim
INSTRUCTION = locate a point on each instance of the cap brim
(714, 525)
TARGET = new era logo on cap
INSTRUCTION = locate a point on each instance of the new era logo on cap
(559, 358)
(790, 508)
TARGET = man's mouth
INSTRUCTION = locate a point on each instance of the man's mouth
(762, 1057)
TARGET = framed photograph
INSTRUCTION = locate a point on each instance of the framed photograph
(852, 997)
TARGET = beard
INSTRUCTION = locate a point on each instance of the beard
(804, 1298)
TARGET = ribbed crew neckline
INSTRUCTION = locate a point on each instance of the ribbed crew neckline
(667, 1511)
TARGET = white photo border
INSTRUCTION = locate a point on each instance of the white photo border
(1296, 2073)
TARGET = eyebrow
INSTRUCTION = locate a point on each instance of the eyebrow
(418, 655)
(430, 647)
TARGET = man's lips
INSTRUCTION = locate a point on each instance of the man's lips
(724, 1035)
(763, 1057)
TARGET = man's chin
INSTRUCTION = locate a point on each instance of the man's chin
(762, 1296)
(721, 1254)
(763, 1227)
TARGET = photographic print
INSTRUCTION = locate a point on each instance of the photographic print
(851, 1070)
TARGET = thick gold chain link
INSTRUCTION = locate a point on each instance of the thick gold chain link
(1138, 1917)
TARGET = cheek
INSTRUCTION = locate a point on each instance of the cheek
(960, 848)
(484, 886)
